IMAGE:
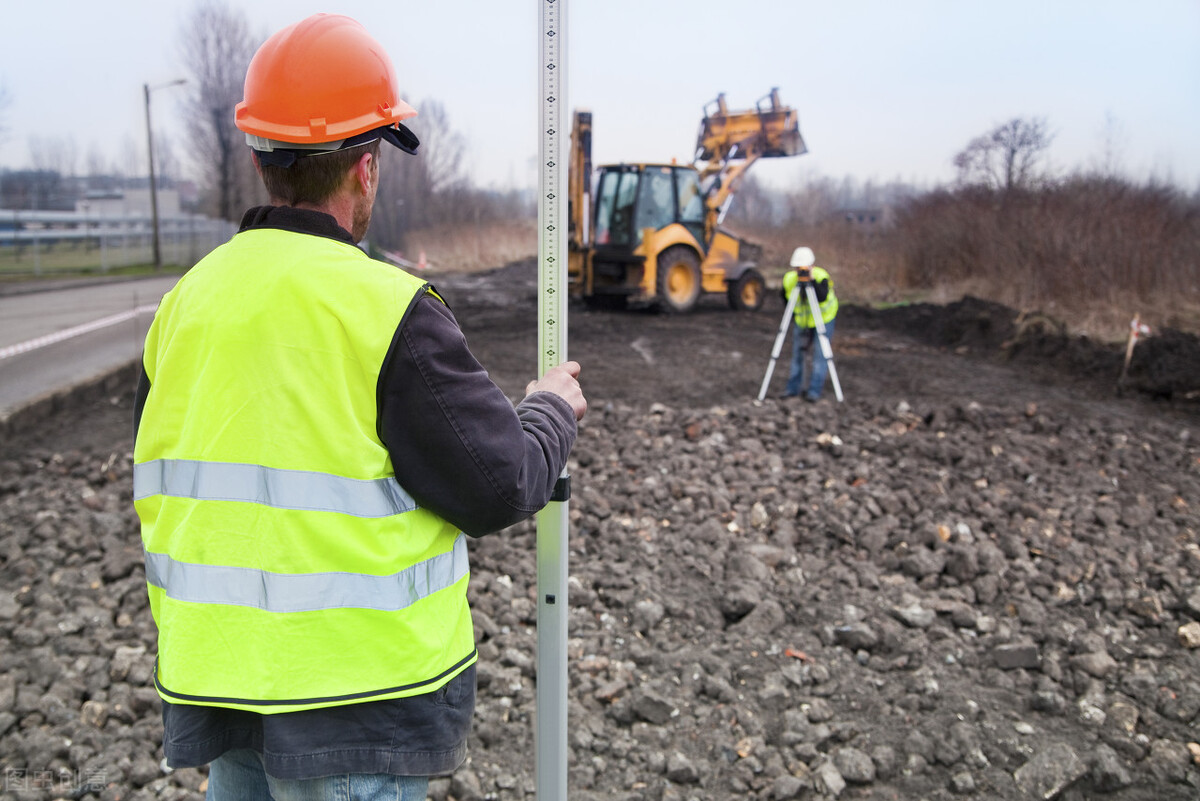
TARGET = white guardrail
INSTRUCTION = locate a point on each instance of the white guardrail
(47, 241)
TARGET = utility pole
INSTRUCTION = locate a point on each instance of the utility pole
(146, 88)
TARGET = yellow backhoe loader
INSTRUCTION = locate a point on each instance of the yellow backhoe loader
(650, 234)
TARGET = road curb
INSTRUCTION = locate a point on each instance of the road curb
(116, 381)
(10, 288)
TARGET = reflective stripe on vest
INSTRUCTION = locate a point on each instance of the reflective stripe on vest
(280, 489)
(283, 593)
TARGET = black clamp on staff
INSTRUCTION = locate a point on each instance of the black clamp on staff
(562, 489)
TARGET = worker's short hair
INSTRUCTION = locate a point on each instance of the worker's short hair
(316, 178)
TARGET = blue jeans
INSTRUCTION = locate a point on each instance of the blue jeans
(820, 367)
(239, 776)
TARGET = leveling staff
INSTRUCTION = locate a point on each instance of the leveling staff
(314, 444)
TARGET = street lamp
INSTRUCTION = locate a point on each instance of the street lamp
(147, 88)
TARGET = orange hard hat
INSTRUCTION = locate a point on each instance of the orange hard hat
(322, 80)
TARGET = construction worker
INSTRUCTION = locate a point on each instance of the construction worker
(804, 333)
(314, 443)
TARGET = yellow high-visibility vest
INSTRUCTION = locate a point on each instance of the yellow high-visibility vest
(828, 307)
(286, 568)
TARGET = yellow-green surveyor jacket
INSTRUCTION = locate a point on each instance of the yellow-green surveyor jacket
(827, 300)
(314, 443)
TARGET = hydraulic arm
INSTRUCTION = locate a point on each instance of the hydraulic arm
(730, 141)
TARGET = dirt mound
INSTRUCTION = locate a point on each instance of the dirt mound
(1167, 365)
(1164, 366)
(970, 322)
(979, 577)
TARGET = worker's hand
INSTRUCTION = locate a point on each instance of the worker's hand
(562, 381)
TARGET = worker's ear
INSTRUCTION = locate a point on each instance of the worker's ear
(365, 171)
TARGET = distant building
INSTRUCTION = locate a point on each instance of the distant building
(99, 195)
(40, 190)
(128, 202)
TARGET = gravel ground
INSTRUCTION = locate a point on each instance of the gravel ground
(979, 577)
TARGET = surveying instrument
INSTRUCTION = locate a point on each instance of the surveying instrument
(802, 260)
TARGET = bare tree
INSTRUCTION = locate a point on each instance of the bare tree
(6, 99)
(428, 189)
(217, 47)
(1113, 143)
(95, 163)
(441, 146)
(1006, 157)
(753, 204)
(166, 163)
(812, 202)
(57, 154)
(131, 161)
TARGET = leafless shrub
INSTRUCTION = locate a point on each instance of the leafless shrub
(1083, 242)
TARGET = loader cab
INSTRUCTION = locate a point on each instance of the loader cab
(649, 244)
(633, 197)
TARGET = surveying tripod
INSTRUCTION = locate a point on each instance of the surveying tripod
(822, 339)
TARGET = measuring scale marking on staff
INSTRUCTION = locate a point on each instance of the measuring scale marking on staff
(552, 521)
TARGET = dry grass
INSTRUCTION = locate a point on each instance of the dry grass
(868, 266)
(470, 247)
(870, 270)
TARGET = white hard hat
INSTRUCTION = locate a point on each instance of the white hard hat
(803, 257)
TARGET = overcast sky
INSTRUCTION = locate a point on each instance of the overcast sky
(885, 90)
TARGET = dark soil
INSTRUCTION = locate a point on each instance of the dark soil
(978, 577)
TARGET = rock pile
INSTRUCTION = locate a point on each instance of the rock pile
(788, 602)
(771, 602)
(965, 582)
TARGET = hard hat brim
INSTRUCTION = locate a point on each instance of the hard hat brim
(285, 154)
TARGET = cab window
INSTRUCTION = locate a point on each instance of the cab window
(656, 200)
(691, 202)
(604, 203)
(614, 207)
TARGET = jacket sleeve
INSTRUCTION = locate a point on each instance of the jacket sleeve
(139, 399)
(457, 444)
(821, 290)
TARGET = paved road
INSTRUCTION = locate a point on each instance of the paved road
(32, 318)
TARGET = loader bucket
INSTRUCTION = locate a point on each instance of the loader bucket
(770, 130)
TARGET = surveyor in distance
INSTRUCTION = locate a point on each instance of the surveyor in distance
(314, 443)
(804, 335)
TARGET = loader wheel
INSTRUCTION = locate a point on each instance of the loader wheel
(747, 292)
(678, 280)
